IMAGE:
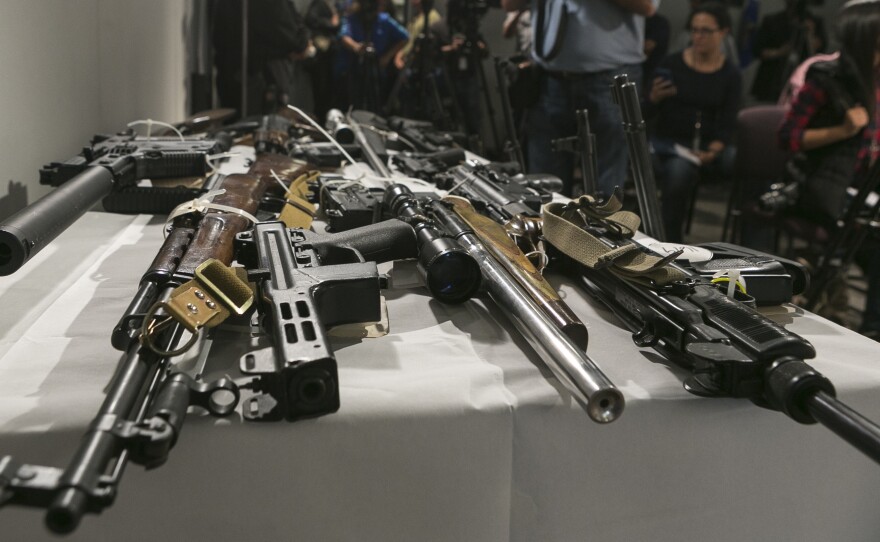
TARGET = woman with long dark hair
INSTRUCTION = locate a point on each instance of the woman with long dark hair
(832, 126)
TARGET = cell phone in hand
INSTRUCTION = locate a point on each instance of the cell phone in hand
(663, 73)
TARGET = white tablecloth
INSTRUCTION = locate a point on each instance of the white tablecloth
(449, 430)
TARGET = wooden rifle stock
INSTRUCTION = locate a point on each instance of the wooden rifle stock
(509, 255)
(145, 402)
(217, 231)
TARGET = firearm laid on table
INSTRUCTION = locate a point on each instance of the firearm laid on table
(109, 164)
(730, 349)
(189, 289)
(518, 289)
(514, 283)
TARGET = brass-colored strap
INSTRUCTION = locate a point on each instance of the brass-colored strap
(564, 228)
(215, 292)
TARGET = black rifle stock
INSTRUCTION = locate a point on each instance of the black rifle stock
(82, 181)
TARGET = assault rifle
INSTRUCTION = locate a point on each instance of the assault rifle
(108, 164)
(289, 374)
(730, 349)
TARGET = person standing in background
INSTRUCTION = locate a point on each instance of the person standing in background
(277, 36)
(582, 46)
(322, 19)
(370, 39)
(518, 25)
(656, 45)
(784, 40)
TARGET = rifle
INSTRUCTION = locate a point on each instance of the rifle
(142, 416)
(427, 166)
(108, 164)
(626, 96)
(511, 144)
(489, 245)
(516, 207)
(582, 144)
(423, 136)
(730, 349)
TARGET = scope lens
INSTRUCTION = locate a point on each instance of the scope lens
(453, 276)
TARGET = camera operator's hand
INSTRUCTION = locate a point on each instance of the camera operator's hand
(855, 119)
(661, 89)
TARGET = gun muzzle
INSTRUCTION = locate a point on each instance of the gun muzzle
(338, 128)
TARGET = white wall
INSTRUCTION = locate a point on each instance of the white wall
(73, 68)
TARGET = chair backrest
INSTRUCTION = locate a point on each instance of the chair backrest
(759, 163)
(759, 159)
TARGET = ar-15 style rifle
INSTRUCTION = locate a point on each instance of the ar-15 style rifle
(107, 164)
(147, 399)
(731, 349)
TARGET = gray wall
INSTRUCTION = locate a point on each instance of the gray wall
(72, 68)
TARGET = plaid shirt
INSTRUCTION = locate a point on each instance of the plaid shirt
(810, 99)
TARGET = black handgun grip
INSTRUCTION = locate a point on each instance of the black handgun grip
(381, 242)
(27, 232)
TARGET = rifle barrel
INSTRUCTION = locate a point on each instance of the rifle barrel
(627, 97)
(848, 424)
(28, 232)
(570, 364)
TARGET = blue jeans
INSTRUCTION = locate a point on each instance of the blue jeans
(553, 117)
(676, 178)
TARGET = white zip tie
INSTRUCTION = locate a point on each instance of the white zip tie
(211, 158)
(734, 276)
(204, 204)
(368, 172)
(284, 186)
(150, 123)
